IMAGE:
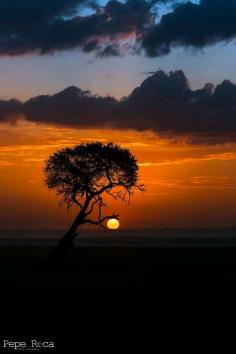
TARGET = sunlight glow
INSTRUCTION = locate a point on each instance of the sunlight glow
(113, 224)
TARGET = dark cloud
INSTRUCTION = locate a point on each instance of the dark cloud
(164, 103)
(47, 26)
(193, 25)
(55, 25)
(71, 106)
(10, 109)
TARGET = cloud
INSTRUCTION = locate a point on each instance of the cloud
(192, 25)
(4, 164)
(166, 103)
(71, 106)
(10, 109)
(196, 182)
(163, 103)
(225, 157)
(47, 26)
(56, 25)
(118, 27)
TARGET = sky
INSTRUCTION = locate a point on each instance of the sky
(157, 77)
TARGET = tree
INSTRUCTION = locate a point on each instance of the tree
(82, 175)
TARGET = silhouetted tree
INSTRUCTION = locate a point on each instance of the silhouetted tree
(82, 175)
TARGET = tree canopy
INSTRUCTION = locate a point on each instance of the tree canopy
(81, 174)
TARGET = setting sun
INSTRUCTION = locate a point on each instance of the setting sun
(113, 224)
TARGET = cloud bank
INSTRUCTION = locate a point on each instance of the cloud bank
(46, 26)
(118, 27)
(164, 103)
(193, 25)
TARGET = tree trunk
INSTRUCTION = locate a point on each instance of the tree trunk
(66, 243)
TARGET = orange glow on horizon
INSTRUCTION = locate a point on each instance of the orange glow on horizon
(186, 185)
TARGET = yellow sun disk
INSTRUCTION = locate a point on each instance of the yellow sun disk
(113, 224)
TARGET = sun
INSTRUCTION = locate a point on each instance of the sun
(113, 224)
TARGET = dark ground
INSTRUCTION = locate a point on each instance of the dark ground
(98, 294)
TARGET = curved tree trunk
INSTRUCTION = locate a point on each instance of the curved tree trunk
(67, 240)
(66, 243)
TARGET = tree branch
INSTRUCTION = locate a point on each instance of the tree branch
(108, 176)
(107, 187)
(93, 204)
(100, 221)
(78, 203)
(141, 187)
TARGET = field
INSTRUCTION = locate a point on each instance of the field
(112, 284)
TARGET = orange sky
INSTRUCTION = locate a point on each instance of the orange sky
(136, 52)
(187, 185)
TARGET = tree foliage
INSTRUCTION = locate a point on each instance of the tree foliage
(82, 174)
